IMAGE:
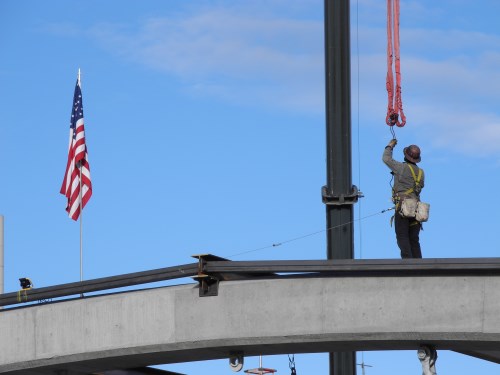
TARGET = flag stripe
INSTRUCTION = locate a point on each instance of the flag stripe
(77, 167)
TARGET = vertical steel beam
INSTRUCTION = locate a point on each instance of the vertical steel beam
(339, 194)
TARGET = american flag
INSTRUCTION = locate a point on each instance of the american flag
(77, 170)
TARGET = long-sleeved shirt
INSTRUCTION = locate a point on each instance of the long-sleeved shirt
(403, 178)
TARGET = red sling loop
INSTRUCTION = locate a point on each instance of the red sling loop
(395, 103)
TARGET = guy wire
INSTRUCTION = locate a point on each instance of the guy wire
(276, 244)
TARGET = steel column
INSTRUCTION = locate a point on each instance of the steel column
(339, 194)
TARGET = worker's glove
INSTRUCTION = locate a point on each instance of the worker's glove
(392, 143)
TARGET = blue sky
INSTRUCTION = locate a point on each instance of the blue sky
(205, 128)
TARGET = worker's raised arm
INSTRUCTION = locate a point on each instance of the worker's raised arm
(387, 156)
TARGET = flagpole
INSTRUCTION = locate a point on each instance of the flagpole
(81, 227)
(81, 208)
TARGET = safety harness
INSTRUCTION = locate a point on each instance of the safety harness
(396, 198)
(416, 188)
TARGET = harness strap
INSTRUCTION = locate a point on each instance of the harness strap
(415, 178)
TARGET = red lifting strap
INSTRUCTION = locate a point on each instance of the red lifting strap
(395, 103)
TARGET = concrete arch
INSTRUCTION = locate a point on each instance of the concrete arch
(299, 315)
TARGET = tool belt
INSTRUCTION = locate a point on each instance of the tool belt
(412, 208)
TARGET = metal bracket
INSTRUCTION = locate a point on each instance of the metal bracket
(428, 357)
(342, 199)
(209, 284)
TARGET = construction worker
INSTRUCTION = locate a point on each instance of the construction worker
(408, 182)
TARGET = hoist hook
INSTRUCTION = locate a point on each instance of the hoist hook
(392, 119)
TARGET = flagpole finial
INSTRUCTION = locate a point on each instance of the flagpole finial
(79, 77)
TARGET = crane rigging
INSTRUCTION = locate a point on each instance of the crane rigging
(395, 114)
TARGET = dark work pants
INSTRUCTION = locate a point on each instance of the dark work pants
(407, 232)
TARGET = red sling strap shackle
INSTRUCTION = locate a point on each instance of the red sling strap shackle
(395, 103)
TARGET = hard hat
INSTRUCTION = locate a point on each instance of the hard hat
(412, 153)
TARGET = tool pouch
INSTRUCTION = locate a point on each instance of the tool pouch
(414, 209)
(422, 213)
(408, 208)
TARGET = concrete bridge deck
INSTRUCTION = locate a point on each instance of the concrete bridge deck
(256, 316)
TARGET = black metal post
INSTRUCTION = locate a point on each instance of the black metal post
(339, 195)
